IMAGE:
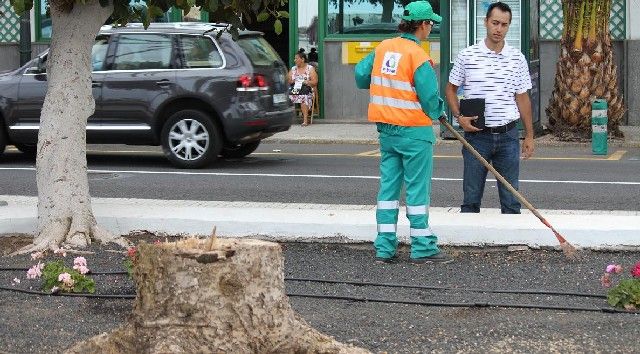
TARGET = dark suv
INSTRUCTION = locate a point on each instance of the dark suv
(178, 85)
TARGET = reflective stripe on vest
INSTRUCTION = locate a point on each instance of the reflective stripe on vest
(394, 102)
(393, 96)
(394, 84)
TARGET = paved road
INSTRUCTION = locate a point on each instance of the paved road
(558, 178)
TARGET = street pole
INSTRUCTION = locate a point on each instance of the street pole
(25, 38)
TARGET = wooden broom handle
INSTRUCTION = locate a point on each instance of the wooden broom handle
(443, 121)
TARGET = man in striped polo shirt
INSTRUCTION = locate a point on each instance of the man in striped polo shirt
(498, 73)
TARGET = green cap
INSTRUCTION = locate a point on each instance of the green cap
(420, 10)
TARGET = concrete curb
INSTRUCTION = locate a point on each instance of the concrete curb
(341, 223)
(276, 140)
(366, 134)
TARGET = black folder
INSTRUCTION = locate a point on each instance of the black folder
(473, 107)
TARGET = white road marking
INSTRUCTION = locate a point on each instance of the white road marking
(228, 174)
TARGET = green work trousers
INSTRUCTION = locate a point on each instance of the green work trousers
(408, 160)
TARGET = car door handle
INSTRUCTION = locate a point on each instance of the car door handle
(163, 82)
(96, 84)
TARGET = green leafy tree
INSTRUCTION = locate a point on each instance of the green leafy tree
(585, 71)
(64, 204)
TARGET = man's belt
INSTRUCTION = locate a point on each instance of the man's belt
(501, 129)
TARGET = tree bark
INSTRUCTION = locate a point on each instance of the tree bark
(212, 296)
(387, 10)
(585, 71)
(64, 203)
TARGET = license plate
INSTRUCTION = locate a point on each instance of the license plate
(279, 98)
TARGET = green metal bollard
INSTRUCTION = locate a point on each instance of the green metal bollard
(599, 127)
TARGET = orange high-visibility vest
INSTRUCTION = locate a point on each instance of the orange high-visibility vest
(393, 98)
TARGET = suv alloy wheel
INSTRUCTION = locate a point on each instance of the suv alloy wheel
(190, 139)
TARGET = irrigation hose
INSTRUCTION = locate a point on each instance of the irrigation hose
(423, 287)
(367, 299)
(396, 285)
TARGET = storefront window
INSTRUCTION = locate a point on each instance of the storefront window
(459, 27)
(43, 21)
(308, 27)
(534, 29)
(514, 34)
(194, 15)
(369, 16)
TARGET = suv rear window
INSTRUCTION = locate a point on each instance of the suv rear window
(200, 52)
(258, 50)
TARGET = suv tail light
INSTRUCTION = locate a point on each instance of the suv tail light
(248, 83)
(244, 82)
(261, 82)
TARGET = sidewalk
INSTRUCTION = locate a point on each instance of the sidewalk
(347, 223)
(329, 132)
(612, 230)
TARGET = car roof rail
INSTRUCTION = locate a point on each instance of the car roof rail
(197, 26)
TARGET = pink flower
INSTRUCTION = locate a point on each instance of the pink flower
(65, 278)
(82, 269)
(606, 280)
(131, 252)
(61, 251)
(636, 270)
(614, 268)
(35, 271)
(80, 261)
(37, 255)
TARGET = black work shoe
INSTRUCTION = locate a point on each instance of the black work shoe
(441, 258)
(387, 260)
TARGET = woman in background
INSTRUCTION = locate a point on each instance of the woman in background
(302, 79)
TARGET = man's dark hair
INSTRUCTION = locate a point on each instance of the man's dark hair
(500, 6)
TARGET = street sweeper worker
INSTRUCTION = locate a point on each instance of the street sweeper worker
(404, 100)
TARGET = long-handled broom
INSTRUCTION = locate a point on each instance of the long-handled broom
(568, 249)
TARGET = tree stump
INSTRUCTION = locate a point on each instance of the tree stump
(212, 296)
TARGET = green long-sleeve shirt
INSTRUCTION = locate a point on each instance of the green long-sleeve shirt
(426, 84)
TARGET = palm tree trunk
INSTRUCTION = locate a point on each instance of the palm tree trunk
(585, 71)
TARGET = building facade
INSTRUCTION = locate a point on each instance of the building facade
(343, 31)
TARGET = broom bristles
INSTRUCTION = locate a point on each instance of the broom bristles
(568, 250)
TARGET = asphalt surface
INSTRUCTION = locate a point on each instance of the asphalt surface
(55, 323)
(567, 178)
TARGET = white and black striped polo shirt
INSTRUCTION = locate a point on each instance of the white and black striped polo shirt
(496, 77)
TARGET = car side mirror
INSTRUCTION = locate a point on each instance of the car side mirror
(39, 68)
(32, 70)
(42, 64)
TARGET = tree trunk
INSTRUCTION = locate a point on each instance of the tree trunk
(585, 71)
(212, 296)
(387, 10)
(64, 203)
